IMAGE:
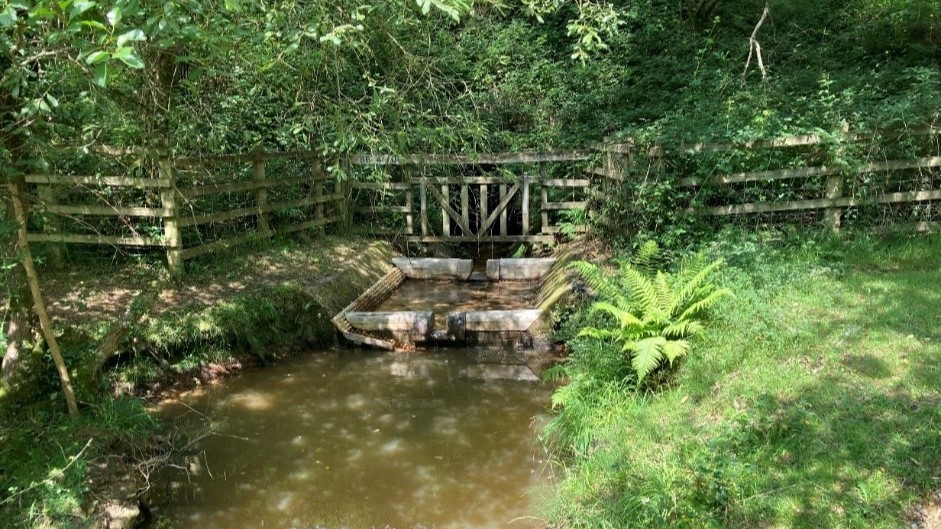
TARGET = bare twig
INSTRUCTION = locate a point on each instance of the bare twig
(754, 47)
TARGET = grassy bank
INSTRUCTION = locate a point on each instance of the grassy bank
(248, 309)
(812, 401)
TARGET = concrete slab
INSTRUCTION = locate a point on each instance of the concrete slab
(522, 269)
(415, 323)
(433, 268)
(501, 320)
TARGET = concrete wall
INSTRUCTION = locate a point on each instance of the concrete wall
(518, 269)
(431, 268)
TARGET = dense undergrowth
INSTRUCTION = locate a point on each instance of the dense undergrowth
(811, 401)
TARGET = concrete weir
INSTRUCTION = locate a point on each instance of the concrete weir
(455, 304)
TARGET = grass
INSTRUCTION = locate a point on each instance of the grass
(813, 401)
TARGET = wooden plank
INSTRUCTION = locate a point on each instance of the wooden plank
(381, 186)
(196, 220)
(556, 206)
(543, 207)
(306, 225)
(484, 206)
(224, 244)
(525, 206)
(261, 195)
(49, 224)
(445, 217)
(109, 211)
(115, 240)
(235, 187)
(503, 212)
(470, 180)
(600, 171)
(465, 205)
(115, 181)
(423, 197)
(797, 205)
(381, 208)
(409, 218)
(171, 225)
(505, 198)
(472, 159)
(808, 172)
(489, 238)
(442, 199)
(563, 182)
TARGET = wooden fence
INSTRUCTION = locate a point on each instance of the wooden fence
(497, 207)
(833, 182)
(191, 206)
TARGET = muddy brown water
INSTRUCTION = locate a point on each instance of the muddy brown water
(360, 439)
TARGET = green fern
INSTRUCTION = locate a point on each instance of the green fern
(654, 313)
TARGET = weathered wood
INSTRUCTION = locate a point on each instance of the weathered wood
(443, 199)
(543, 207)
(562, 182)
(249, 185)
(115, 240)
(114, 181)
(50, 226)
(541, 238)
(381, 186)
(223, 244)
(171, 225)
(525, 205)
(556, 206)
(809, 172)
(301, 226)
(368, 340)
(465, 205)
(409, 218)
(109, 211)
(834, 191)
(797, 205)
(261, 194)
(503, 211)
(505, 198)
(484, 209)
(196, 220)
(423, 197)
(475, 159)
(318, 207)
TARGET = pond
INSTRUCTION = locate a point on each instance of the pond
(361, 439)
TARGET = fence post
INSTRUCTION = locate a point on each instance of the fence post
(832, 215)
(171, 225)
(261, 192)
(50, 226)
(525, 205)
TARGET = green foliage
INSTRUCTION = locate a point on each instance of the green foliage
(654, 313)
(831, 343)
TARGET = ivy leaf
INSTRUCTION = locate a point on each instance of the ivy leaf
(101, 75)
(135, 35)
(128, 56)
(114, 16)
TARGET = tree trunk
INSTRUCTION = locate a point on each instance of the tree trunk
(32, 278)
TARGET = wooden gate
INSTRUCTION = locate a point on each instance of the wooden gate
(519, 205)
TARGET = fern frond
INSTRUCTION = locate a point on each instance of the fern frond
(674, 349)
(665, 298)
(641, 288)
(648, 353)
(599, 334)
(599, 282)
(646, 256)
(683, 329)
(624, 317)
(694, 283)
(704, 304)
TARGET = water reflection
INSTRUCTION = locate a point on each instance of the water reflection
(351, 440)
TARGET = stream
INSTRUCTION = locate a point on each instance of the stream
(360, 439)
